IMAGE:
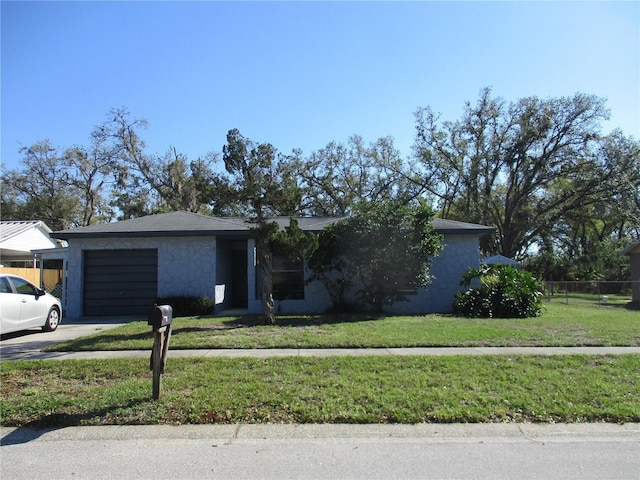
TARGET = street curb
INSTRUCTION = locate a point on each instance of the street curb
(251, 433)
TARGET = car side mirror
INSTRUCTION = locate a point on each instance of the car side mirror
(40, 292)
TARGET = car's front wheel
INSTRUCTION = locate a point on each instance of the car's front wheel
(53, 319)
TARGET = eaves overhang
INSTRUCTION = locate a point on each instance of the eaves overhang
(185, 224)
(453, 227)
(633, 248)
(163, 233)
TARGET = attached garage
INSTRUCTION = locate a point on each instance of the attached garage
(119, 282)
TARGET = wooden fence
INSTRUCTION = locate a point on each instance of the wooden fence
(50, 277)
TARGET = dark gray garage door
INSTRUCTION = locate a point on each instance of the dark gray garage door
(120, 282)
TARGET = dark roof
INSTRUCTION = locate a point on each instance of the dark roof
(633, 248)
(181, 224)
(452, 227)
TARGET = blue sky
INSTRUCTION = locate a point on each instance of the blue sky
(300, 74)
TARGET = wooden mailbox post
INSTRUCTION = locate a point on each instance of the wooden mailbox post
(160, 318)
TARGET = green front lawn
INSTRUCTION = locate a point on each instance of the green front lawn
(560, 325)
(574, 388)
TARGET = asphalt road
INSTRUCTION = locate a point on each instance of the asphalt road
(504, 451)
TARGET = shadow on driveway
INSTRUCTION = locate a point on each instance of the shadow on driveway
(20, 345)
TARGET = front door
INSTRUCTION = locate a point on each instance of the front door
(239, 296)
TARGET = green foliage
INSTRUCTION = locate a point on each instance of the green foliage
(528, 167)
(262, 181)
(293, 242)
(264, 185)
(45, 188)
(330, 267)
(184, 306)
(595, 260)
(504, 292)
(383, 251)
(539, 170)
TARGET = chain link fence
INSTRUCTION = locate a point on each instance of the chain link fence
(590, 293)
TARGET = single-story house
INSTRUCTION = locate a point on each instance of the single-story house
(633, 251)
(121, 268)
(18, 239)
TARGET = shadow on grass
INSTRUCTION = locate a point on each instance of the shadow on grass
(633, 306)
(102, 341)
(248, 321)
(57, 421)
(99, 342)
(255, 321)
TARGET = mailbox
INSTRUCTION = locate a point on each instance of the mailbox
(160, 316)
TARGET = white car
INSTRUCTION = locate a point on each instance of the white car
(23, 306)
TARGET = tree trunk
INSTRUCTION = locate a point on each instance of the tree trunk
(266, 271)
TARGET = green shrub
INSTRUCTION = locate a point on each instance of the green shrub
(188, 306)
(504, 292)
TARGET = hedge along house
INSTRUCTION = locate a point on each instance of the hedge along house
(121, 268)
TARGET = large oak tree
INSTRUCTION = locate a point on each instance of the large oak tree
(517, 166)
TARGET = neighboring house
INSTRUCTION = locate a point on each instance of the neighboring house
(634, 253)
(27, 250)
(19, 238)
(502, 260)
(121, 268)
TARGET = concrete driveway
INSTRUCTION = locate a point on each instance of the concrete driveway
(21, 345)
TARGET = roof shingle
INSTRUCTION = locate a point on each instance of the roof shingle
(194, 224)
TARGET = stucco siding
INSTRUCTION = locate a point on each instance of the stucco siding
(186, 266)
(460, 252)
(200, 266)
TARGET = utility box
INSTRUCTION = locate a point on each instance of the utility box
(160, 316)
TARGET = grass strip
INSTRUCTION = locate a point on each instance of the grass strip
(527, 388)
(560, 325)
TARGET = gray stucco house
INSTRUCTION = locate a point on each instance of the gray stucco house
(121, 268)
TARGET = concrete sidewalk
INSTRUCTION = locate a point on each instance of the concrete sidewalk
(307, 352)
